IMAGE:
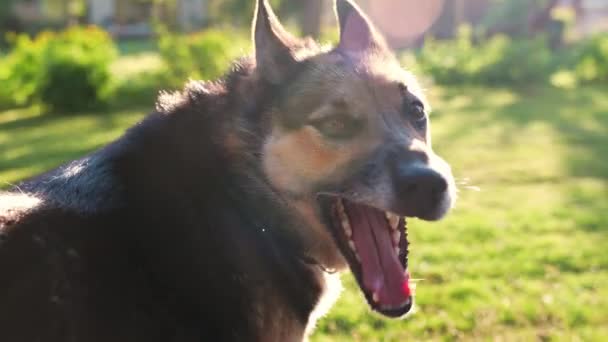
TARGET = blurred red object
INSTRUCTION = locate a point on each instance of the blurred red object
(404, 21)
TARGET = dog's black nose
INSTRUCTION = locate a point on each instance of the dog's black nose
(420, 190)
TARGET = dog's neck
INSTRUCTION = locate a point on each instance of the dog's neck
(196, 195)
(297, 218)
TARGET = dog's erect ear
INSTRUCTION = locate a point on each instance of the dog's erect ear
(272, 43)
(357, 33)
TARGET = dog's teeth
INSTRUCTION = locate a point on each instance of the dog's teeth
(340, 206)
(375, 297)
(395, 224)
(352, 246)
(389, 218)
(397, 250)
(346, 226)
(393, 220)
(344, 219)
(396, 235)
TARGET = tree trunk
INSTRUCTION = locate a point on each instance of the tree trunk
(540, 19)
(459, 15)
(311, 21)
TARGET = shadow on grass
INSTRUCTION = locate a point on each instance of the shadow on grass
(38, 142)
(579, 116)
(578, 122)
(34, 139)
(26, 122)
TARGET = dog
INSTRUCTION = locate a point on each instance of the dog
(226, 214)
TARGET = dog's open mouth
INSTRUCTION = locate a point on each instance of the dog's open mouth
(374, 243)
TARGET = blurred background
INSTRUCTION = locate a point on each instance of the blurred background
(519, 90)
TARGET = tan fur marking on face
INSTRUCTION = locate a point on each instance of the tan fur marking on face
(297, 159)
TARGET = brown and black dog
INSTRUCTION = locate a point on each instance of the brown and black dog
(221, 216)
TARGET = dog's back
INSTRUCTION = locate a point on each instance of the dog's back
(128, 245)
(64, 274)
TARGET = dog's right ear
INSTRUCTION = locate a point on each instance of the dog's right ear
(357, 33)
(272, 43)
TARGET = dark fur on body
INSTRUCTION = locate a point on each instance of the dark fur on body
(197, 249)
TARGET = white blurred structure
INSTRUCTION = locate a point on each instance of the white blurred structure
(100, 11)
(402, 21)
(123, 18)
(131, 18)
(191, 14)
(594, 17)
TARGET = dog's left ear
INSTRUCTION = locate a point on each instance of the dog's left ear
(273, 44)
(357, 33)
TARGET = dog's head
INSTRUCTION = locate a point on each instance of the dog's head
(349, 148)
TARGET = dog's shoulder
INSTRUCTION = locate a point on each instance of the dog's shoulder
(44, 259)
(14, 206)
(87, 185)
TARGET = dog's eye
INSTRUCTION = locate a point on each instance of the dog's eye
(417, 111)
(337, 126)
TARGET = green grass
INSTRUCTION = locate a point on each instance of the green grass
(127, 67)
(136, 46)
(31, 142)
(524, 258)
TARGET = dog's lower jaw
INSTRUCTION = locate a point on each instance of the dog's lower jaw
(318, 240)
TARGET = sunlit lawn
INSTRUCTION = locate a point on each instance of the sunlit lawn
(523, 258)
(31, 142)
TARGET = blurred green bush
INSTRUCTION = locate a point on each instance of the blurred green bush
(77, 69)
(70, 71)
(591, 61)
(501, 60)
(202, 55)
(585, 62)
(66, 71)
(21, 69)
(497, 60)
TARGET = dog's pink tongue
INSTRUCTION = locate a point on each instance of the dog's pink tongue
(381, 270)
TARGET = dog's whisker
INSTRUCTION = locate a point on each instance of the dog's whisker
(464, 183)
(461, 187)
(464, 180)
(16, 187)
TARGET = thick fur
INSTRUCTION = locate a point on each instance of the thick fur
(169, 234)
(203, 222)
